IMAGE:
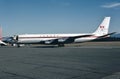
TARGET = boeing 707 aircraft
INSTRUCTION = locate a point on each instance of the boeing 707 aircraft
(61, 39)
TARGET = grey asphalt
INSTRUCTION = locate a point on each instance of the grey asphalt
(60, 63)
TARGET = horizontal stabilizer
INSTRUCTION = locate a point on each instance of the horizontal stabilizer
(2, 43)
(107, 35)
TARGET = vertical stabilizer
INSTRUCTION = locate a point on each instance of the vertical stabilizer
(103, 27)
(1, 42)
(0, 33)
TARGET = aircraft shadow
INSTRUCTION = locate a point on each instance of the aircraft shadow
(44, 47)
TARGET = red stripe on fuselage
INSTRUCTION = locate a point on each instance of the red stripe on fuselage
(38, 37)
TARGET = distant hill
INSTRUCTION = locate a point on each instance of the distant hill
(117, 35)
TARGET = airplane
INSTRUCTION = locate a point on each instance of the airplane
(1, 42)
(61, 39)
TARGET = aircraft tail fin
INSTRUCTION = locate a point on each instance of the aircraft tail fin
(103, 27)
(0, 33)
(1, 42)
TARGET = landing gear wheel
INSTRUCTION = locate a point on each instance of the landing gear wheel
(18, 45)
(61, 45)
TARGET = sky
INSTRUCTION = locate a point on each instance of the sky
(57, 16)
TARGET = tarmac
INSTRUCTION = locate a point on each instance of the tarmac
(85, 61)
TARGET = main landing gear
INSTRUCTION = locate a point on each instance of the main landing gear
(61, 45)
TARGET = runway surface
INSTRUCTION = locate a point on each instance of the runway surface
(60, 63)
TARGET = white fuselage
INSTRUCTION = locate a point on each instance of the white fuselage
(37, 38)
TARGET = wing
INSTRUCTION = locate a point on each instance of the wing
(64, 40)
